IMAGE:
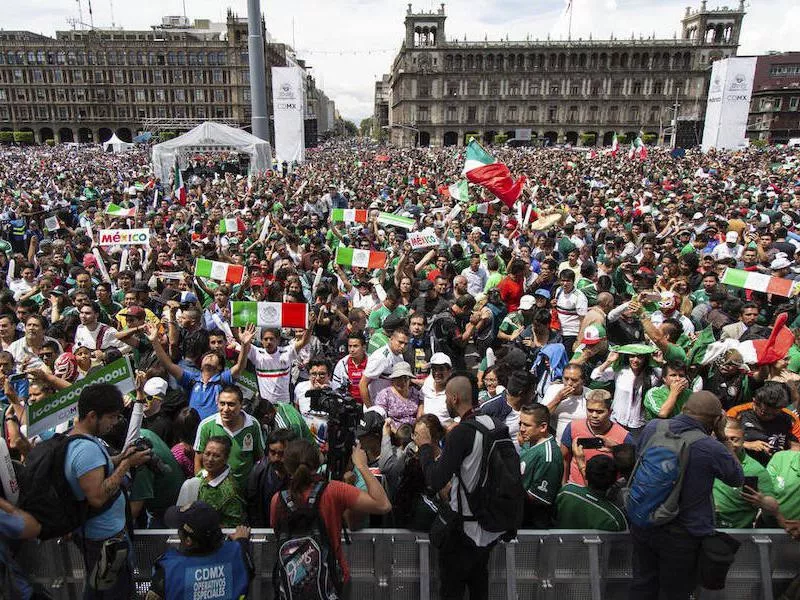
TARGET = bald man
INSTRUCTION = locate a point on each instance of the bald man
(463, 563)
(662, 551)
(597, 314)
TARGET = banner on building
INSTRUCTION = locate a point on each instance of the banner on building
(124, 237)
(523, 134)
(63, 405)
(728, 103)
(288, 101)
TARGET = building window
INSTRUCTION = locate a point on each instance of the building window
(119, 77)
(4, 114)
(99, 76)
(197, 77)
(422, 114)
(613, 114)
(200, 112)
(573, 90)
(63, 113)
(199, 96)
(17, 75)
(138, 76)
(58, 76)
(38, 77)
(161, 112)
(451, 89)
(21, 96)
(3, 96)
(594, 111)
(423, 90)
(61, 95)
(552, 114)
(637, 88)
(491, 114)
(77, 76)
(616, 88)
(472, 114)
(473, 88)
(784, 70)
(452, 114)
(533, 88)
(658, 88)
(140, 96)
(633, 113)
(654, 114)
(217, 75)
(533, 114)
(180, 112)
(219, 96)
(41, 113)
(513, 89)
(554, 90)
(177, 76)
(573, 114)
(120, 94)
(180, 95)
(41, 95)
(158, 77)
(794, 101)
(246, 95)
(160, 95)
(777, 104)
(512, 114)
(494, 88)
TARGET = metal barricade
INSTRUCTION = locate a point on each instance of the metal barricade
(396, 564)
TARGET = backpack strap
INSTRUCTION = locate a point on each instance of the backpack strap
(98, 345)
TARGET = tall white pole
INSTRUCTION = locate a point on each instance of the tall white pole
(258, 84)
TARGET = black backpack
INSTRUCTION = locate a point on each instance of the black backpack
(498, 500)
(262, 484)
(305, 567)
(46, 493)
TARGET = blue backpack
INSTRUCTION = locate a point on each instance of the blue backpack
(653, 493)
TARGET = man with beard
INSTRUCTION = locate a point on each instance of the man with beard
(267, 478)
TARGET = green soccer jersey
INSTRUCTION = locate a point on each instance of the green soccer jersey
(784, 469)
(378, 316)
(732, 511)
(377, 340)
(512, 322)
(158, 490)
(578, 507)
(542, 470)
(247, 444)
(494, 279)
(794, 359)
(655, 398)
(589, 289)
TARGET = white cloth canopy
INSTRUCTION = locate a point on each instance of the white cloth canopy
(207, 137)
(117, 145)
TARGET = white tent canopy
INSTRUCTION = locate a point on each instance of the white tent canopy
(117, 145)
(208, 137)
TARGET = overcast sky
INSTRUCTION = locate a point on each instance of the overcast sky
(350, 43)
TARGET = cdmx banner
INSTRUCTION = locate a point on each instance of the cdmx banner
(728, 103)
(288, 101)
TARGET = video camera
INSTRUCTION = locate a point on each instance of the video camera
(155, 464)
(344, 414)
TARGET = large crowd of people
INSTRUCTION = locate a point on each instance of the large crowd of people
(616, 293)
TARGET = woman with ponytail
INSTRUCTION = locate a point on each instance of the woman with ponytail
(302, 461)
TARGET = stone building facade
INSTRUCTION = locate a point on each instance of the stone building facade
(84, 85)
(775, 104)
(443, 91)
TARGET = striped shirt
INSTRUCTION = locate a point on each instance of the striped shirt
(571, 308)
(272, 371)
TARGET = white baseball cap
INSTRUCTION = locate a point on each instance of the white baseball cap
(440, 358)
(732, 237)
(527, 302)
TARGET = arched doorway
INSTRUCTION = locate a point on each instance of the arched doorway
(510, 135)
(650, 138)
(65, 135)
(488, 137)
(85, 135)
(608, 138)
(450, 138)
(104, 134)
(124, 134)
(551, 138)
(631, 136)
(424, 138)
(45, 133)
(589, 138)
(571, 138)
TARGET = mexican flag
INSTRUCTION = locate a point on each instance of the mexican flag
(179, 188)
(231, 225)
(349, 215)
(270, 314)
(117, 211)
(459, 191)
(392, 219)
(353, 257)
(754, 352)
(219, 271)
(759, 282)
(614, 145)
(638, 149)
(481, 168)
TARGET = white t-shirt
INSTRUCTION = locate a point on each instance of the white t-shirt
(85, 337)
(569, 409)
(434, 403)
(379, 367)
(272, 371)
(571, 308)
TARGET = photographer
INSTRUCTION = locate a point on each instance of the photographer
(155, 485)
(302, 461)
(319, 371)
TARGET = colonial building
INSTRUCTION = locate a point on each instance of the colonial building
(441, 91)
(84, 85)
(775, 104)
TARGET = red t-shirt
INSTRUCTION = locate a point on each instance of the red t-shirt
(511, 292)
(336, 498)
(354, 373)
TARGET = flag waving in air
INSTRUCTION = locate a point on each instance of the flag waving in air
(638, 149)
(178, 187)
(353, 257)
(219, 271)
(115, 210)
(231, 225)
(481, 168)
(614, 145)
(270, 314)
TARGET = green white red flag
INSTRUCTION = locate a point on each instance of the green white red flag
(270, 314)
(117, 211)
(349, 215)
(354, 257)
(459, 191)
(219, 271)
(759, 282)
(234, 225)
(481, 168)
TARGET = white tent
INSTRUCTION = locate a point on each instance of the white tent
(209, 137)
(117, 145)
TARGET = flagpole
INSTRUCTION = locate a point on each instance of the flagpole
(569, 30)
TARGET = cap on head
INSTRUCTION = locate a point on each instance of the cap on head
(440, 358)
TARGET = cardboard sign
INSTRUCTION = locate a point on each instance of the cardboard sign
(423, 239)
(124, 237)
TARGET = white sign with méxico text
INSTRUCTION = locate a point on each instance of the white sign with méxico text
(124, 237)
(728, 103)
(423, 239)
(288, 101)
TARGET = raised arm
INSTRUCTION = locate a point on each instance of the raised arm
(246, 335)
(161, 354)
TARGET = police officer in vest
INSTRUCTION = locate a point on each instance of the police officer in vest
(206, 564)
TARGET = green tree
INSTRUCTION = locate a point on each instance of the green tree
(366, 126)
(350, 129)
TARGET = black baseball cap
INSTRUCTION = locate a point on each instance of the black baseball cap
(198, 520)
(371, 422)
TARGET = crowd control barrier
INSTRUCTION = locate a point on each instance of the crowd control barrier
(397, 564)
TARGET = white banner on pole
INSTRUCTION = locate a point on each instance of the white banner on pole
(288, 100)
(728, 103)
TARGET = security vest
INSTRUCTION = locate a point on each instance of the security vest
(218, 576)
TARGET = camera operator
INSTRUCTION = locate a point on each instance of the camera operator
(97, 477)
(155, 485)
(302, 461)
(205, 561)
(319, 371)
